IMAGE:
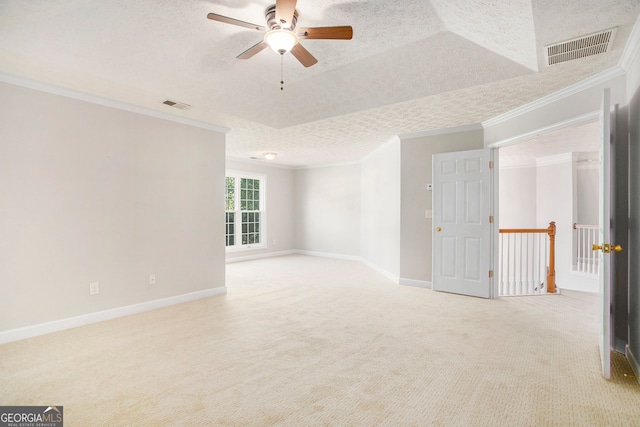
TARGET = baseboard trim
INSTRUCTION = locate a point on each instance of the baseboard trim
(366, 262)
(258, 256)
(389, 275)
(100, 316)
(328, 255)
(633, 362)
(619, 345)
(416, 283)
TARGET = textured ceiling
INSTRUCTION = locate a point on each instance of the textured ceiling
(412, 65)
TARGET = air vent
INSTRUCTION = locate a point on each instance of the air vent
(592, 44)
(174, 104)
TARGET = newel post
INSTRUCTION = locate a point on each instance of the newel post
(551, 270)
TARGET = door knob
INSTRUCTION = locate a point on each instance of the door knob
(438, 229)
(607, 248)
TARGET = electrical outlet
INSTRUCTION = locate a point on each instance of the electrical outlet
(94, 288)
(275, 242)
(152, 279)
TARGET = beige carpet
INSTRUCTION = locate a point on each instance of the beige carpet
(305, 341)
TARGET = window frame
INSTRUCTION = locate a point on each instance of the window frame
(238, 246)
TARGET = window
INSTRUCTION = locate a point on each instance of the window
(244, 204)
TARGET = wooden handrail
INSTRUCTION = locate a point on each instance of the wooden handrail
(524, 230)
(551, 231)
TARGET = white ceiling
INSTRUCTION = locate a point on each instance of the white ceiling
(412, 65)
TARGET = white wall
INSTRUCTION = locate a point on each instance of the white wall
(587, 194)
(90, 193)
(517, 197)
(352, 210)
(555, 203)
(280, 208)
(380, 224)
(327, 206)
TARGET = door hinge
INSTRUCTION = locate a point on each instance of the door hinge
(490, 273)
(490, 219)
(490, 164)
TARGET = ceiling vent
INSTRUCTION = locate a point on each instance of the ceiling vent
(178, 105)
(592, 44)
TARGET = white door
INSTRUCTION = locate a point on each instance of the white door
(462, 228)
(605, 234)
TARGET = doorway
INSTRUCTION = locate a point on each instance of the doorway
(553, 176)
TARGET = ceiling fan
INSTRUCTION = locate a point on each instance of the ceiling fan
(281, 33)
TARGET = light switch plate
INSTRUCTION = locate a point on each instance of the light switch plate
(94, 288)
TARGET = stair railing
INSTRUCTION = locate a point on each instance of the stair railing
(527, 261)
(585, 259)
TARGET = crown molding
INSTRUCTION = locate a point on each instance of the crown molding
(329, 165)
(259, 162)
(573, 89)
(587, 166)
(80, 96)
(529, 163)
(556, 126)
(554, 160)
(456, 129)
(632, 48)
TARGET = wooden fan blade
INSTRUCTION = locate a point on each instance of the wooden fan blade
(335, 33)
(284, 11)
(303, 55)
(227, 20)
(253, 50)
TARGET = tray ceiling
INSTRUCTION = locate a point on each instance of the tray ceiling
(412, 65)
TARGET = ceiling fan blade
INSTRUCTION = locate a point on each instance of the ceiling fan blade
(285, 10)
(335, 33)
(227, 20)
(253, 50)
(303, 55)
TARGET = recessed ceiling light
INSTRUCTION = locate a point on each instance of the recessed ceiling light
(270, 155)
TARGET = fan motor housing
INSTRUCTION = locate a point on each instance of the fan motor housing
(273, 24)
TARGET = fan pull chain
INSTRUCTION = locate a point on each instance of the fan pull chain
(281, 71)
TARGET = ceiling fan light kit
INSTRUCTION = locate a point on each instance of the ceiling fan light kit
(281, 34)
(281, 41)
